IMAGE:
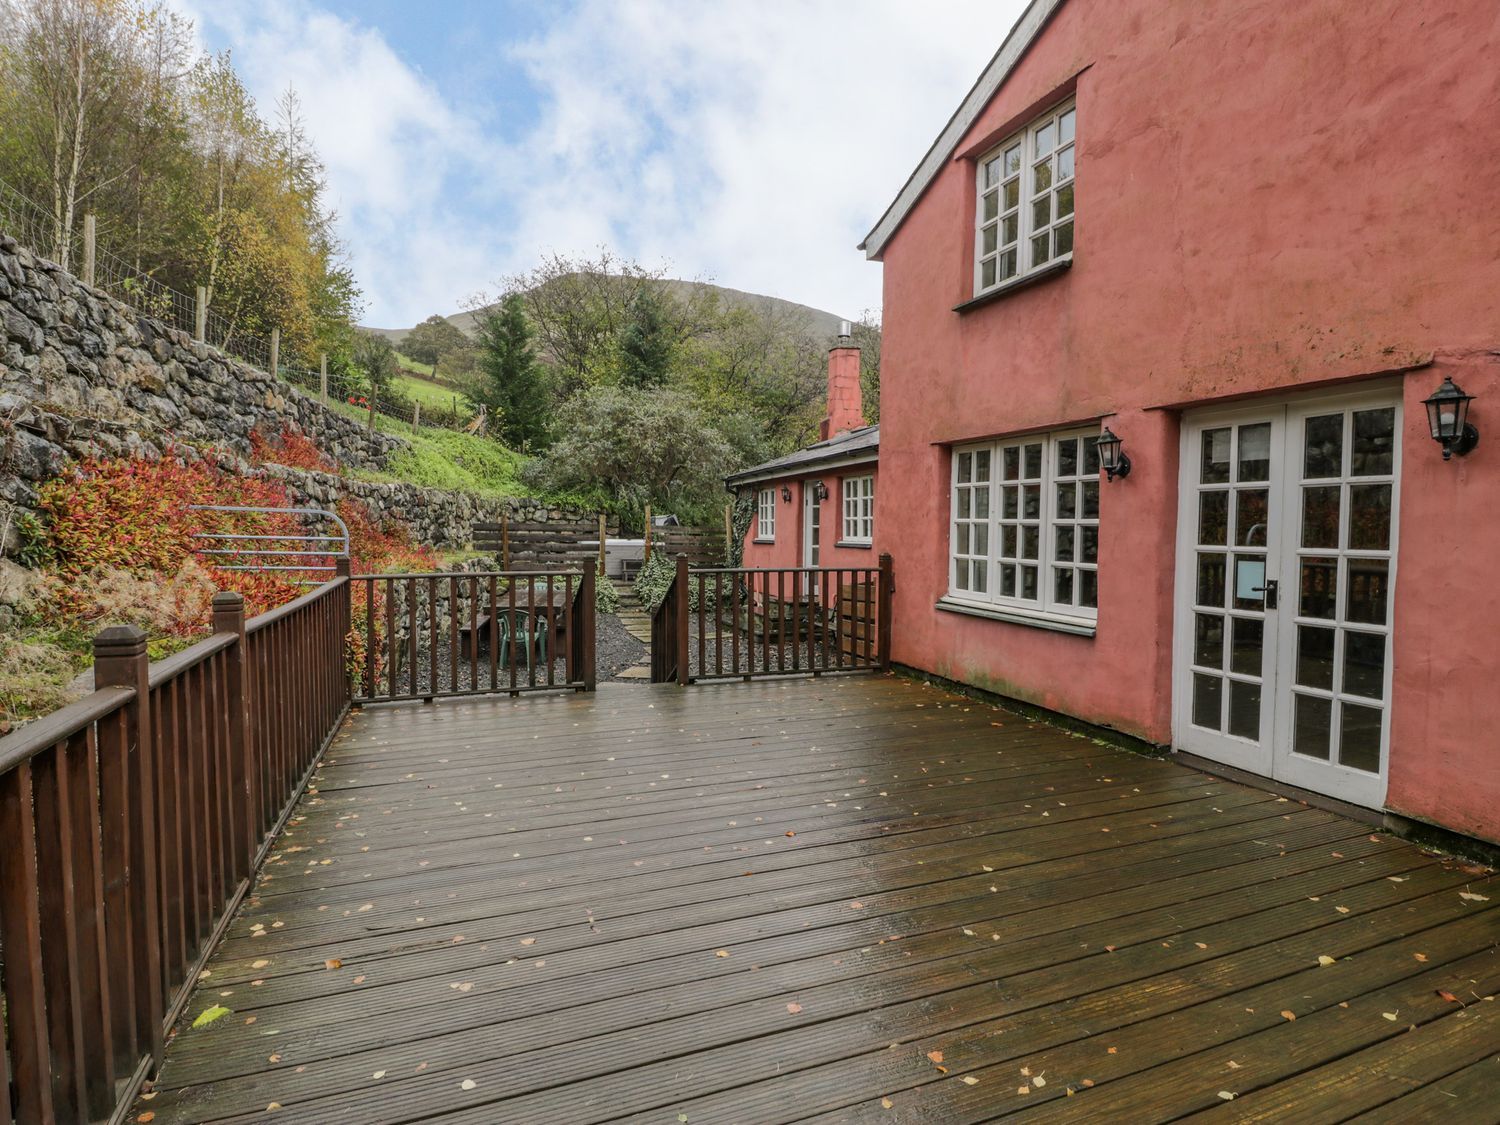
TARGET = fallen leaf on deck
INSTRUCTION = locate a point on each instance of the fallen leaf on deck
(790, 832)
(208, 1015)
(333, 963)
(259, 964)
(1114, 1050)
(886, 1103)
(1420, 956)
(147, 1116)
(1470, 896)
(1233, 1065)
(1038, 1081)
(970, 1080)
(378, 1074)
(1448, 996)
(1342, 909)
(1023, 1089)
(794, 1008)
(721, 953)
(467, 1084)
(360, 979)
(970, 933)
(935, 1056)
(1227, 1095)
(1390, 1015)
(272, 1107)
(1325, 960)
(1288, 1014)
(366, 906)
(856, 906)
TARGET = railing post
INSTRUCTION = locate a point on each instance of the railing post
(590, 677)
(343, 567)
(275, 351)
(120, 661)
(229, 617)
(200, 314)
(323, 378)
(89, 236)
(883, 611)
(682, 620)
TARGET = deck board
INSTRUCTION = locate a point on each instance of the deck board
(772, 901)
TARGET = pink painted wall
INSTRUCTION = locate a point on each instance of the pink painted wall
(787, 549)
(1325, 211)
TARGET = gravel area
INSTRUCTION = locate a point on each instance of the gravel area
(614, 651)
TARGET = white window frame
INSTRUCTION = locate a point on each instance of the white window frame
(1007, 239)
(765, 516)
(859, 510)
(992, 528)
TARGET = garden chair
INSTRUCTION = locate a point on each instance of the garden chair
(525, 630)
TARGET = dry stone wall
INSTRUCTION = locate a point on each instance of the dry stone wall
(83, 375)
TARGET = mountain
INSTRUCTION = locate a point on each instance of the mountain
(823, 324)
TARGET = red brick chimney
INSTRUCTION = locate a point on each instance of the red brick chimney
(845, 407)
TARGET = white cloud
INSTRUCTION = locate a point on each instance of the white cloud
(754, 143)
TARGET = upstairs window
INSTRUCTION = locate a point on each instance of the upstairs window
(765, 523)
(1025, 217)
(859, 510)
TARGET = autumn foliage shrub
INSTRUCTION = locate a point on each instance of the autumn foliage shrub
(292, 448)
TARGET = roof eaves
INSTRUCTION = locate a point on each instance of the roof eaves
(1021, 36)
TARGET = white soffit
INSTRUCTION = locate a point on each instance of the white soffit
(1032, 20)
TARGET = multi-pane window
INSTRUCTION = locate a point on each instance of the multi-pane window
(859, 509)
(1026, 524)
(765, 524)
(1025, 218)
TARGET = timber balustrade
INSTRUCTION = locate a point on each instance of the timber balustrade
(133, 821)
(426, 636)
(749, 622)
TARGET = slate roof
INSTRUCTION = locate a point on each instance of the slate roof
(854, 447)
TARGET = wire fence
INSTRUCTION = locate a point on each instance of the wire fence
(350, 393)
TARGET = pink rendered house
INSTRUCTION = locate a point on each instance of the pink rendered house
(816, 507)
(1247, 257)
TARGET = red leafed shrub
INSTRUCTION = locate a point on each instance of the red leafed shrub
(292, 448)
(377, 547)
(136, 516)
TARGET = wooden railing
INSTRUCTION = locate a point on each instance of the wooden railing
(425, 636)
(743, 623)
(131, 823)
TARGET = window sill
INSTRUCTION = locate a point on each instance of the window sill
(1015, 284)
(856, 544)
(757, 539)
(1037, 619)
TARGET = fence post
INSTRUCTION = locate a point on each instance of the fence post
(200, 315)
(229, 617)
(89, 235)
(120, 661)
(370, 425)
(275, 351)
(505, 540)
(883, 610)
(590, 675)
(682, 620)
(646, 557)
(323, 378)
(416, 415)
(603, 537)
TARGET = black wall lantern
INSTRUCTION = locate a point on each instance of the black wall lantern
(786, 495)
(820, 491)
(1448, 418)
(1112, 459)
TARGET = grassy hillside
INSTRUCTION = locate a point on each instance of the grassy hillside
(442, 458)
(821, 322)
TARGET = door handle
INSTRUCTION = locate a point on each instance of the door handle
(1269, 592)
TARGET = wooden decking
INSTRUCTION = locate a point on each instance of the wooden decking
(835, 900)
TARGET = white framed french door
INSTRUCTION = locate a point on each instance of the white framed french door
(812, 531)
(1286, 559)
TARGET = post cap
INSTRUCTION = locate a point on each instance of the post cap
(228, 599)
(120, 640)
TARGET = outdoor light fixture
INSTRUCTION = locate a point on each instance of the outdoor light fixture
(786, 495)
(1448, 418)
(820, 491)
(1112, 459)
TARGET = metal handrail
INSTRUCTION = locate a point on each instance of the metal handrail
(322, 546)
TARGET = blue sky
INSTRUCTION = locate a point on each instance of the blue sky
(747, 142)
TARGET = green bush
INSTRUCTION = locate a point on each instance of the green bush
(606, 597)
(655, 578)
